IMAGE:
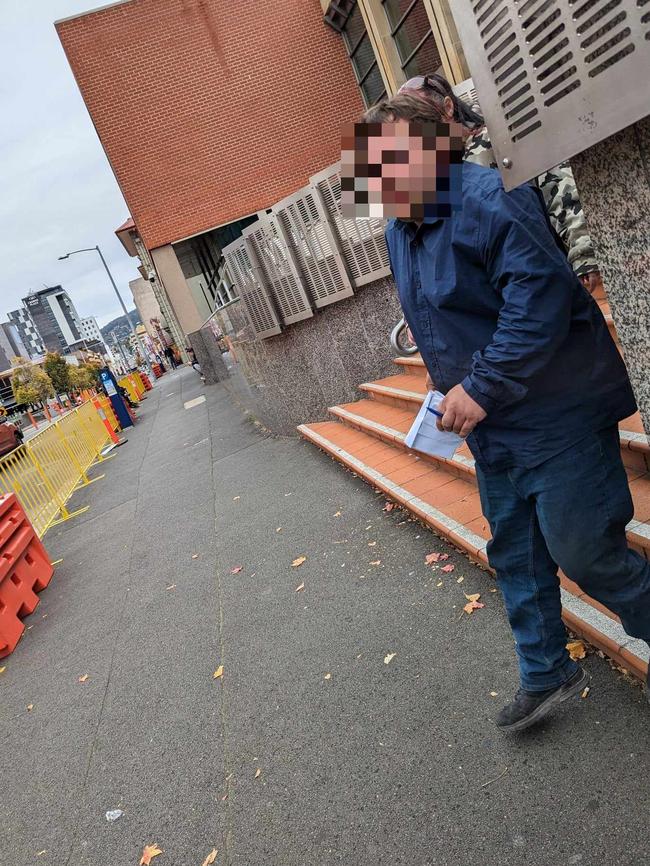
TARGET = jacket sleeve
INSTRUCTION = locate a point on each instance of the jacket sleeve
(536, 284)
(567, 217)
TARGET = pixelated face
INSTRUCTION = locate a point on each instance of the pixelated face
(401, 169)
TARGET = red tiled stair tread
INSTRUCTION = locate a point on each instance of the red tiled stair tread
(633, 424)
(457, 499)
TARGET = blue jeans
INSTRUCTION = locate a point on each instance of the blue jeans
(571, 512)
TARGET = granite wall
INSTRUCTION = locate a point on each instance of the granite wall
(613, 180)
(292, 378)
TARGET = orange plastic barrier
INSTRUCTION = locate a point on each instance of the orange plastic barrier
(25, 569)
(146, 381)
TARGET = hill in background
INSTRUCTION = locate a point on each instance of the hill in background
(120, 326)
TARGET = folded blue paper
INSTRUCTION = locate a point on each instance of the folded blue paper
(424, 435)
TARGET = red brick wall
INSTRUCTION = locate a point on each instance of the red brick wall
(209, 110)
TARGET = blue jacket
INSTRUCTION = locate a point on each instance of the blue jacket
(494, 305)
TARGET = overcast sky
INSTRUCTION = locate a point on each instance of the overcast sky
(57, 191)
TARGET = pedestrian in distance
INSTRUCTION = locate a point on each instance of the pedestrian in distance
(530, 373)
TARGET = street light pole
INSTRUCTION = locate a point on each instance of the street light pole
(119, 297)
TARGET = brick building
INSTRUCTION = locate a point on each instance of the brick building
(208, 112)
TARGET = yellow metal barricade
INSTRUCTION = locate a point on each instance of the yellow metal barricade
(138, 383)
(126, 382)
(46, 470)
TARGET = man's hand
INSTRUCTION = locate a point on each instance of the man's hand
(460, 413)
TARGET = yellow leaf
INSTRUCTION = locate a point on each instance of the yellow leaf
(218, 673)
(388, 659)
(258, 773)
(493, 589)
(460, 579)
(328, 676)
(150, 851)
(389, 506)
(3, 669)
(279, 529)
(212, 856)
(298, 562)
(471, 606)
(577, 650)
(30, 707)
(494, 694)
(439, 583)
(376, 562)
(372, 543)
(300, 587)
(338, 514)
(83, 678)
(474, 597)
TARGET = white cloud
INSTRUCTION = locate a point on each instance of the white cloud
(58, 191)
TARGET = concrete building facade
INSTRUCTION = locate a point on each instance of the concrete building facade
(55, 317)
(27, 332)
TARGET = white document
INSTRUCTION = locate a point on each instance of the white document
(424, 435)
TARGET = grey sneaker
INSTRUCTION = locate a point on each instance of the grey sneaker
(529, 707)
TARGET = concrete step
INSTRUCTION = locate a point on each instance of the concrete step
(449, 504)
(390, 425)
(407, 390)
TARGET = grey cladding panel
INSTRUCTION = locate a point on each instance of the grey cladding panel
(554, 77)
(251, 290)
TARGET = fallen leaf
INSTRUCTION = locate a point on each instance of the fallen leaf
(298, 562)
(376, 562)
(328, 676)
(30, 707)
(212, 856)
(439, 583)
(279, 529)
(224, 798)
(150, 851)
(371, 543)
(493, 589)
(448, 568)
(258, 773)
(195, 556)
(471, 606)
(236, 569)
(235, 498)
(300, 587)
(338, 514)
(435, 557)
(389, 506)
(3, 669)
(388, 659)
(494, 694)
(460, 579)
(474, 597)
(218, 673)
(83, 678)
(172, 586)
(577, 650)
(40, 853)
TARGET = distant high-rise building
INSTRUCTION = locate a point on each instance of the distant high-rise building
(27, 332)
(56, 319)
(11, 346)
(90, 330)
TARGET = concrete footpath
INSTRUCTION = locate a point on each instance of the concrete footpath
(361, 762)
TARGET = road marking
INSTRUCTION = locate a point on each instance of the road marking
(195, 402)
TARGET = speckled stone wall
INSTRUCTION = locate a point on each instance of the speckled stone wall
(613, 180)
(291, 379)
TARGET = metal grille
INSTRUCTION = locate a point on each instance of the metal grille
(555, 76)
(307, 232)
(361, 241)
(251, 290)
(282, 278)
(467, 92)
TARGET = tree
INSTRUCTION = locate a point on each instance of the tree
(58, 371)
(30, 384)
(80, 377)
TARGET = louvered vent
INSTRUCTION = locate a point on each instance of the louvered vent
(361, 241)
(555, 76)
(270, 253)
(304, 225)
(251, 290)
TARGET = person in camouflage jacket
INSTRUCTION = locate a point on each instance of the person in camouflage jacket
(556, 185)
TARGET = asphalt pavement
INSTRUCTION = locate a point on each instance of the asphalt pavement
(352, 723)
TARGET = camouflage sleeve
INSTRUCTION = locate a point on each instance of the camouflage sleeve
(478, 149)
(567, 218)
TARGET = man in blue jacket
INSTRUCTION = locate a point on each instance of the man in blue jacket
(531, 376)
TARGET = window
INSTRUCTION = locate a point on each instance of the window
(362, 57)
(411, 31)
